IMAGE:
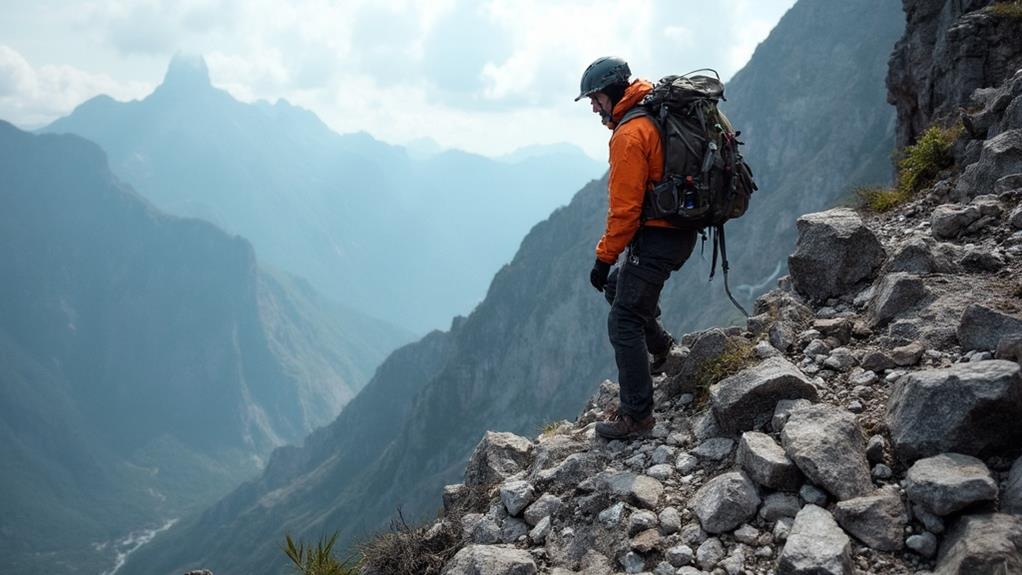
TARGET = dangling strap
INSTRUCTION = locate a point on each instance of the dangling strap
(719, 241)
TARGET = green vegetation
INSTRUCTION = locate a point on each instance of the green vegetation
(881, 198)
(919, 165)
(555, 428)
(412, 551)
(736, 357)
(1009, 9)
(318, 560)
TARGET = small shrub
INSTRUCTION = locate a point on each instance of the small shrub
(318, 560)
(411, 551)
(922, 161)
(1009, 9)
(881, 198)
(736, 357)
(554, 428)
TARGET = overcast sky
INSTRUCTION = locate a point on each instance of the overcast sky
(486, 76)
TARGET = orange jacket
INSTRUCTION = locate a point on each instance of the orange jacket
(636, 161)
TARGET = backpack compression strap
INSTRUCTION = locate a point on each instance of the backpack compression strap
(720, 243)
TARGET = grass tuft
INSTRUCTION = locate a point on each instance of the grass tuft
(405, 550)
(318, 560)
(881, 198)
(738, 354)
(922, 161)
(1009, 9)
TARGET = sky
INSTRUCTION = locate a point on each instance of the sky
(486, 76)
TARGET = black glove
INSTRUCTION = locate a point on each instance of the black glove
(598, 276)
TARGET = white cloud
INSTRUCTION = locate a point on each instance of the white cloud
(487, 76)
(31, 96)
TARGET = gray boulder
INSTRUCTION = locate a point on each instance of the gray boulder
(897, 293)
(545, 506)
(725, 502)
(516, 495)
(765, 462)
(714, 449)
(877, 361)
(1010, 348)
(834, 254)
(491, 560)
(1015, 219)
(640, 490)
(949, 220)
(982, 327)
(568, 473)
(922, 255)
(989, 543)
(497, 457)
(1000, 155)
(815, 546)
(878, 520)
(706, 346)
(783, 411)
(948, 482)
(826, 443)
(778, 505)
(747, 398)
(971, 408)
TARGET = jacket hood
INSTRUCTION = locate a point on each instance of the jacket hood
(635, 91)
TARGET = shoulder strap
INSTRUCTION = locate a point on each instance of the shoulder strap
(631, 114)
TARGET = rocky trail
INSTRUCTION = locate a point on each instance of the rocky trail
(867, 419)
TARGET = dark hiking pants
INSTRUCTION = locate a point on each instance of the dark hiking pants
(633, 290)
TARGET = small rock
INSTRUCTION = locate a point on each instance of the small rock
(949, 482)
(647, 541)
(686, 463)
(778, 505)
(670, 520)
(497, 457)
(765, 462)
(840, 359)
(490, 559)
(813, 495)
(664, 568)
(641, 490)
(693, 534)
(782, 528)
(877, 361)
(764, 350)
(908, 355)
(816, 347)
(633, 562)
(714, 449)
(662, 454)
(948, 220)
(512, 530)
(897, 293)
(855, 406)
(931, 522)
(725, 502)
(924, 543)
(546, 505)
(660, 472)
(710, 553)
(816, 545)
(747, 534)
(783, 410)
(680, 555)
(516, 495)
(839, 329)
(611, 516)
(878, 520)
(881, 471)
(863, 378)
(640, 521)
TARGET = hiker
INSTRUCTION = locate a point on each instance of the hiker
(654, 247)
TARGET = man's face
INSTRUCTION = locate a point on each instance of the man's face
(601, 104)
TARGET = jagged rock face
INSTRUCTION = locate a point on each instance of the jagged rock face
(971, 408)
(498, 456)
(982, 544)
(950, 49)
(835, 253)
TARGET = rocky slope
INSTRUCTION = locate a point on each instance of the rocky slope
(872, 426)
(148, 365)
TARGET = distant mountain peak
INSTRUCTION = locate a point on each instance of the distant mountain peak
(186, 72)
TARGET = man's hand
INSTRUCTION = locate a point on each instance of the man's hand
(598, 276)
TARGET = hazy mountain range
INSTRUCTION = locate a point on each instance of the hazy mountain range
(410, 236)
(811, 104)
(147, 364)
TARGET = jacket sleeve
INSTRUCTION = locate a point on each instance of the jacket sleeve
(629, 169)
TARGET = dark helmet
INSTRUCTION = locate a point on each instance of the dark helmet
(604, 72)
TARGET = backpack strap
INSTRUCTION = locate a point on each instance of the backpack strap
(720, 243)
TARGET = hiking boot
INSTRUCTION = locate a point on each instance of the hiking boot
(620, 426)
